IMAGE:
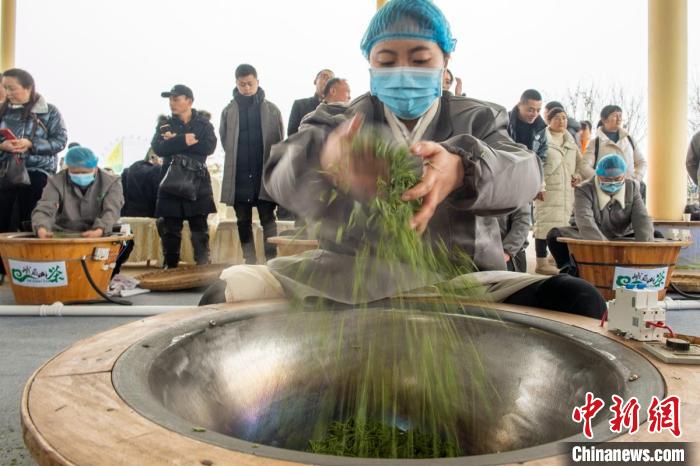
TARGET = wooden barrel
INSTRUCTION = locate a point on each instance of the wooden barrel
(43, 271)
(610, 264)
(290, 246)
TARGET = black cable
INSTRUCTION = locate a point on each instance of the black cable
(121, 302)
(683, 293)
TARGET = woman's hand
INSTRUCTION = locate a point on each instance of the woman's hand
(43, 233)
(540, 196)
(20, 146)
(443, 172)
(352, 172)
(96, 233)
(6, 146)
(576, 180)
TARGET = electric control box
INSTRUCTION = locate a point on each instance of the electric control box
(636, 314)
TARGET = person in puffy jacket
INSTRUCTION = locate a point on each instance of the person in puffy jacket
(189, 133)
(564, 169)
(39, 134)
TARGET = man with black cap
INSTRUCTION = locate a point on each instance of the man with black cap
(188, 133)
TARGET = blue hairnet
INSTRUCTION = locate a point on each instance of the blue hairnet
(408, 19)
(80, 157)
(611, 165)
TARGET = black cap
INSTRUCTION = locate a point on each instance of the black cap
(178, 89)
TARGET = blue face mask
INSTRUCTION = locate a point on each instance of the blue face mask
(82, 179)
(407, 91)
(611, 187)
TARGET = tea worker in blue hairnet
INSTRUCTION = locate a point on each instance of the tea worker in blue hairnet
(81, 198)
(471, 170)
(607, 207)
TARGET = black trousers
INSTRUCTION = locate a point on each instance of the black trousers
(540, 248)
(562, 293)
(558, 293)
(23, 199)
(124, 254)
(244, 216)
(214, 294)
(518, 263)
(560, 251)
(170, 231)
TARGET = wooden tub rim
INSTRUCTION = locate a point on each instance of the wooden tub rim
(26, 238)
(643, 244)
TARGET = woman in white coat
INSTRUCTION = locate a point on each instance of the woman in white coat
(564, 169)
(612, 138)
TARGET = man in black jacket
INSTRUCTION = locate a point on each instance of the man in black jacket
(189, 133)
(303, 106)
(526, 126)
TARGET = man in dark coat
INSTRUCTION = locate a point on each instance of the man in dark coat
(250, 125)
(302, 107)
(525, 126)
(140, 181)
(189, 133)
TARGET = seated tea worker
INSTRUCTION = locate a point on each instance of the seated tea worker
(472, 172)
(607, 207)
(80, 199)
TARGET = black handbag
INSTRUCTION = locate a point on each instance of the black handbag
(183, 178)
(13, 171)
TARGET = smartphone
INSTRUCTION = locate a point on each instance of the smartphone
(6, 134)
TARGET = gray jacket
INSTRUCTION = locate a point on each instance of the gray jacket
(500, 176)
(613, 221)
(64, 207)
(272, 133)
(514, 230)
(692, 161)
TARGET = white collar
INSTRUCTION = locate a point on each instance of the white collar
(401, 133)
(605, 198)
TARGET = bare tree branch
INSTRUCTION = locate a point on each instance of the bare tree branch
(586, 100)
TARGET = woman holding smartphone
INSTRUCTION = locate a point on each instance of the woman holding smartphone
(38, 133)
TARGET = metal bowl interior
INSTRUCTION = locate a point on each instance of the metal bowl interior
(259, 381)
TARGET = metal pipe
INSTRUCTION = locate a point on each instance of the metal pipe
(680, 304)
(58, 309)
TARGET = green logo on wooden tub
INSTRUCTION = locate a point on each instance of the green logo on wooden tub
(38, 274)
(652, 279)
